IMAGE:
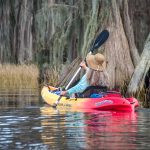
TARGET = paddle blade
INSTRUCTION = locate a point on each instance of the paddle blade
(101, 38)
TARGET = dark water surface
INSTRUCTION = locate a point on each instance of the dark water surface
(26, 123)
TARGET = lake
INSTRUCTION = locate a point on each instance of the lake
(26, 122)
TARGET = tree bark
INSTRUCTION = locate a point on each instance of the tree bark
(120, 66)
(137, 81)
(128, 27)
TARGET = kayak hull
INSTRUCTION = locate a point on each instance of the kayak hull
(109, 102)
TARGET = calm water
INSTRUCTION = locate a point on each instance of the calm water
(27, 123)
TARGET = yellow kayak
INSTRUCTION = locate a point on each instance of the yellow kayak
(110, 101)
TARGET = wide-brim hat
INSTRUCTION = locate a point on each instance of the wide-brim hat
(96, 62)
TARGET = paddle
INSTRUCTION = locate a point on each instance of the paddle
(101, 38)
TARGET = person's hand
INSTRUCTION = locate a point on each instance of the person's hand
(83, 65)
(63, 93)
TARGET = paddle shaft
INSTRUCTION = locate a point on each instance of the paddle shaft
(56, 103)
(73, 78)
(66, 88)
(74, 75)
(102, 37)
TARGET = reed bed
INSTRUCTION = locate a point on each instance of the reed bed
(49, 75)
(143, 95)
(53, 76)
(18, 76)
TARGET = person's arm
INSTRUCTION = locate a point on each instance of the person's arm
(76, 88)
(79, 88)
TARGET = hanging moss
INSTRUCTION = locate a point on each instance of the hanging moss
(57, 29)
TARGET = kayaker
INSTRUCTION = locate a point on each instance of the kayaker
(95, 66)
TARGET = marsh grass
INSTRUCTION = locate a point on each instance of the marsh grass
(54, 76)
(141, 94)
(18, 76)
(50, 76)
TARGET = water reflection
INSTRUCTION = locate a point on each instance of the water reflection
(27, 124)
(111, 130)
(19, 97)
(62, 129)
(17, 128)
(98, 130)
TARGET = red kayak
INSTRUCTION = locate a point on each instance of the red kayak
(109, 101)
